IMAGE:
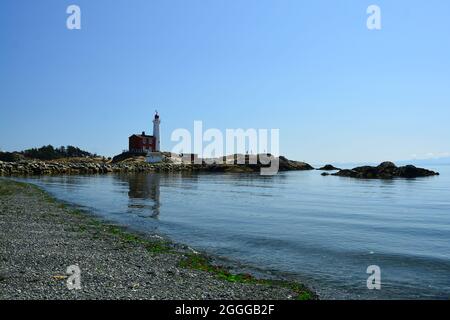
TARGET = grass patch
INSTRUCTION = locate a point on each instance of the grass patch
(203, 263)
(10, 187)
(151, 246)
(5, 191)
(159, 247)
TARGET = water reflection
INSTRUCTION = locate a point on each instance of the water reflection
(143, 187)
(144, 190)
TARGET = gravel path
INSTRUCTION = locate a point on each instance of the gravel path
(40, 238)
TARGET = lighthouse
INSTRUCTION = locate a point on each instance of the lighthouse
(154, 154)
(156, 135)
(143, 144)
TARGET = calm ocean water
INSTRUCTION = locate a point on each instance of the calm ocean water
(324, 231)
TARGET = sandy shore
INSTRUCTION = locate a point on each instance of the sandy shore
(40, 237)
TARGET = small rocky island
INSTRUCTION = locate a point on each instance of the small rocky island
(329, 167)
(386, 170)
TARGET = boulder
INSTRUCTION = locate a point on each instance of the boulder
(286, 165)
(347, 173)
(411, 171)
(387, 165)
(328, 167)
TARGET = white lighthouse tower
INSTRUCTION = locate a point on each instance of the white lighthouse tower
(155, 155)
(156, 135)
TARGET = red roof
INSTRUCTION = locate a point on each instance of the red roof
(141, 136)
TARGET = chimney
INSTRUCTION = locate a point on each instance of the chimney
(143, 133)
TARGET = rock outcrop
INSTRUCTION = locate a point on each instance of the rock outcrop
(286, 164)
(386, 170)
(328, 167)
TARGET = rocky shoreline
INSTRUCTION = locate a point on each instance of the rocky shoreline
(95, 166)
(40, 237)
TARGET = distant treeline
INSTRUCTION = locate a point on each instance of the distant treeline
(46, 153)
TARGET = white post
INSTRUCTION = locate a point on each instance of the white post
(156, 123)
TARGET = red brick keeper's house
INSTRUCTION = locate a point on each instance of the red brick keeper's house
(141, 143)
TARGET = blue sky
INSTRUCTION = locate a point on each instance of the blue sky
(337, 91)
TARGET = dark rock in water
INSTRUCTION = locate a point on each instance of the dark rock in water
(324, 174)
(346, 173)
(329, 167)
(411, 171)
(387, 165)
(286, 165)
(386, 170)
